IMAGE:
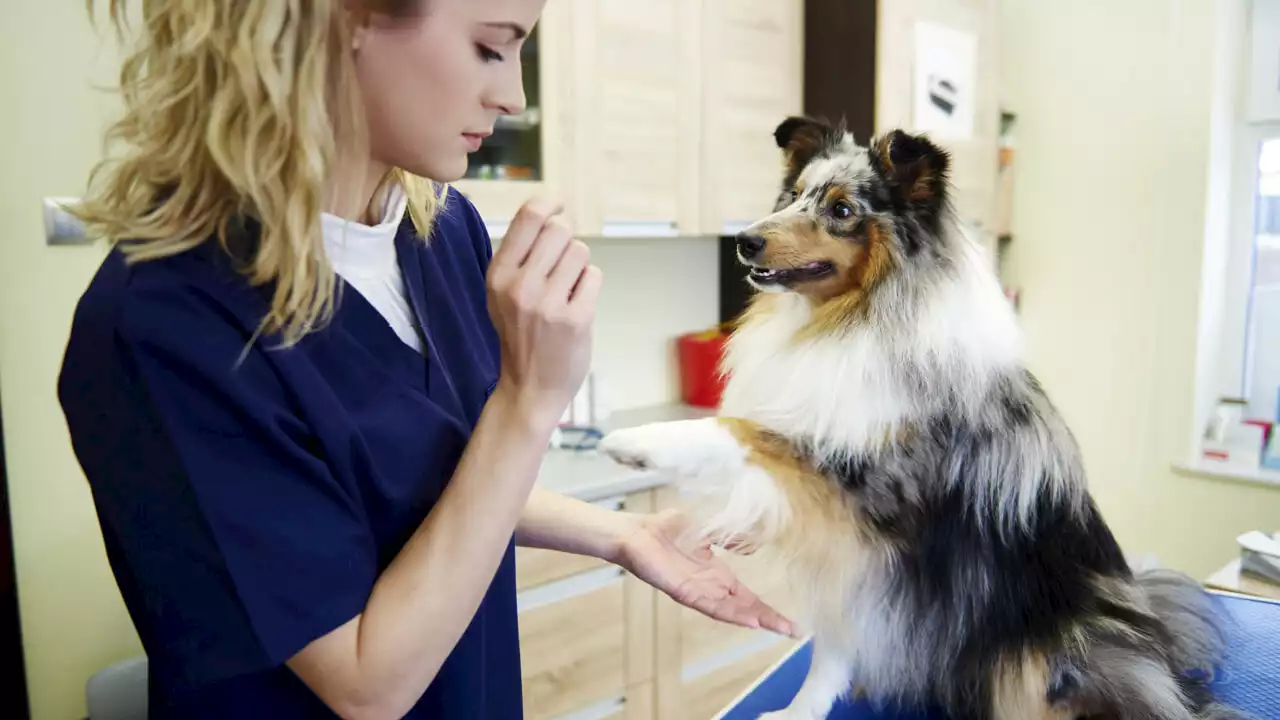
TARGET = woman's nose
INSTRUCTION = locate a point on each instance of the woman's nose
(508, 96)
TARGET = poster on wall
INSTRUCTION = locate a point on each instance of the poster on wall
(946, 77)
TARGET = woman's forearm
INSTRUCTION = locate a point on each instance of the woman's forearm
(557, 522)
(379, 663)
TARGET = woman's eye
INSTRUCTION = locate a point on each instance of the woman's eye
(842, 211)
(488, 54)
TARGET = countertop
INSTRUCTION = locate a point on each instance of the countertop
(587, 475)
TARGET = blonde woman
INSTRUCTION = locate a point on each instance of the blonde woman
(310, 402)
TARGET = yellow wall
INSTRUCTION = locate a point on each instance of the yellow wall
(1113, 103)
(73, 620)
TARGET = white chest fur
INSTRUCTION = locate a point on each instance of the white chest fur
(838, 390)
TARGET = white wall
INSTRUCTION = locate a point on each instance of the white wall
(654, 290)
(1113, 103)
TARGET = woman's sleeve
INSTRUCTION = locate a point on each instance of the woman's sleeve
(233, 543)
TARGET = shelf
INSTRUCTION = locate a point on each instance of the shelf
(1256, 476)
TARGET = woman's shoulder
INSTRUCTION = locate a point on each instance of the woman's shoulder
(183, 309)
(195, 285)
(459, 220)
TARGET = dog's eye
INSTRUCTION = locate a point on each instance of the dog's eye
(842, 211)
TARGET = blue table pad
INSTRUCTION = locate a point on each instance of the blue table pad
(1249, 679)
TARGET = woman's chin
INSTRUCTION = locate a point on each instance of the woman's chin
(445, 169)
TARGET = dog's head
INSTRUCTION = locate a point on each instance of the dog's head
(846, 215)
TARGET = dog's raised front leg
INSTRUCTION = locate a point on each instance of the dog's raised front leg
(686, 448)
(828, 680)
(755, 471)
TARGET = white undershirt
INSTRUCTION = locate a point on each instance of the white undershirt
(365, 256)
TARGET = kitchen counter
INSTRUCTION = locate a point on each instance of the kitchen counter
(587, 475)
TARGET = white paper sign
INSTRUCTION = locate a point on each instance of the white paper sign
(946, 77)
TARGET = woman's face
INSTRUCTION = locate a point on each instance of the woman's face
(434, 83)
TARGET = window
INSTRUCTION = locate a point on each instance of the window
(1251, 344)
(1260, 371)
(1238, 355)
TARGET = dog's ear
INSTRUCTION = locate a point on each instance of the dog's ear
(802, 138)
(913, 166)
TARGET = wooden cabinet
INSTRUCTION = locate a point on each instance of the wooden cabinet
(703, 664)
(597, 642)
(752, 79)
(586, 633)
(528, 155)
(636, 110)
(572, 651)
(654, 118)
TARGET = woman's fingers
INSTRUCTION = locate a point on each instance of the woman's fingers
(533, 279)
(524, 229)
(549, 248)
(567, 272)
(587, 290)
(771, 619)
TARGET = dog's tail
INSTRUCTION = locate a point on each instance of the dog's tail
(1195, 638)
(1155, 657)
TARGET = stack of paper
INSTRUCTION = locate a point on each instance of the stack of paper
(1260, 555)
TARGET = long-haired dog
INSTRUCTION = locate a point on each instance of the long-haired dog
(879, 429)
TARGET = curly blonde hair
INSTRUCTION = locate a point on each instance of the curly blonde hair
(239, 108)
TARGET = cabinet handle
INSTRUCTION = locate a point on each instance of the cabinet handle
(570, 587)
(611, 503)
(733, 227)
(638, 228)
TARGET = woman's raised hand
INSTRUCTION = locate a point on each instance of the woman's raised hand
(542, 299)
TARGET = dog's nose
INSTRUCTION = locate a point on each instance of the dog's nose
(749, 246)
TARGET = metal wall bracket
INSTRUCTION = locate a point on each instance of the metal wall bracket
(60, 226)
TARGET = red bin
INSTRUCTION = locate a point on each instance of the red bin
(699, 356)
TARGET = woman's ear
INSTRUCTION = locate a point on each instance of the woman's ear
(358, 14)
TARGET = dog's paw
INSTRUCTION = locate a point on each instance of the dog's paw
(630, 446)
(682, 447)
(644, 447)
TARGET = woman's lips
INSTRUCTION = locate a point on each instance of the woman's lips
(474, 140)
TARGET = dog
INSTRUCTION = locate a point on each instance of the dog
(880, 433)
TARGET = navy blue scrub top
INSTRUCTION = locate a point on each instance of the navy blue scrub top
(248, 510)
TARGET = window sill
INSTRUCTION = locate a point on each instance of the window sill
(1253, 476)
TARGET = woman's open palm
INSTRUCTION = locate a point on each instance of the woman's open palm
(695, 577)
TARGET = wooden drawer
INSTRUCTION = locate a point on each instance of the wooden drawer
(702, 637)
(706, 695)
(535, 566)
(572, 651)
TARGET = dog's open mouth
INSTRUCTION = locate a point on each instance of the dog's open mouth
(789, 276)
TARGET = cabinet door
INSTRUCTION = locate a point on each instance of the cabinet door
(527, 154)
(752, 80)
(572, 651)
(636, 116)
